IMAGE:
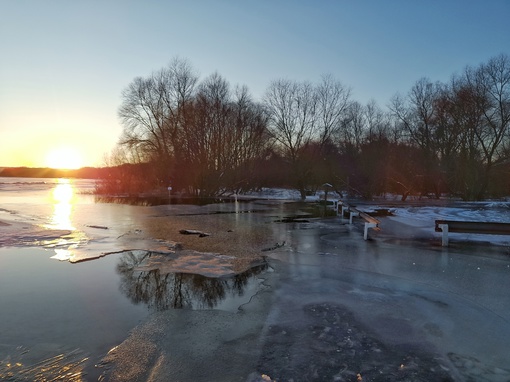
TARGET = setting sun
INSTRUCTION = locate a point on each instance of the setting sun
(64, 158)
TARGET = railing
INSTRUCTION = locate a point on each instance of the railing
(370, 221)
(492, 228)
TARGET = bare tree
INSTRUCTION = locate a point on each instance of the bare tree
(291, 110)
(417, 114)
(332, 103)
(490, 84)
(377, 123)
(225, 132)
(142, 115)
(249, 139)
(152, 113)
(350, 136)
(464, 126)
(449, 120)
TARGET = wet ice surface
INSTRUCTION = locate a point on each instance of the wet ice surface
(59, 215)
(326, 306)
(338, 308)
(59, 319)
(155, 280)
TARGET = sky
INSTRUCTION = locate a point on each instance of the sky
(64, 64)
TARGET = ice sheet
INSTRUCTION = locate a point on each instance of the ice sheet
(338, 306)
(411, 308)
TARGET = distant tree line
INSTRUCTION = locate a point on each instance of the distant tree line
(205, 137)
(45, 172)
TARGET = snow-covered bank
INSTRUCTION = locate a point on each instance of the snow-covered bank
(422, 218)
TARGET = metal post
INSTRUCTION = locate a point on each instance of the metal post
(367, 226)
(444, 228)
(351, 215)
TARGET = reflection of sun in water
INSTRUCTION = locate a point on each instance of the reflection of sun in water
(64, 158)
(62, 205)
(62, 197)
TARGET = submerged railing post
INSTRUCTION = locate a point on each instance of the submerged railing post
(367, 226)
(444, 228)
(335, 206)
(351, 216)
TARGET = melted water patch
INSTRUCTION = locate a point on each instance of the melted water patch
(150, 278)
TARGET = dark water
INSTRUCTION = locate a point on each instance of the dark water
(50, 307)
(83, 310)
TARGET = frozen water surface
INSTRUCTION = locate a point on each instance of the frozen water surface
(153, 279)
(62, 214)
(325, 306)
(338, 308)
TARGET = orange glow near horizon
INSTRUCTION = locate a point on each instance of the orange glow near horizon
(65, 158)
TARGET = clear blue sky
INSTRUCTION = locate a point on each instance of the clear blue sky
(65, 63)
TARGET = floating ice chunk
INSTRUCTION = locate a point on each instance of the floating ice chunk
(62, 254)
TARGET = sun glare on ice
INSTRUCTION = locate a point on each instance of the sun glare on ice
(63, 199)
(66, 158)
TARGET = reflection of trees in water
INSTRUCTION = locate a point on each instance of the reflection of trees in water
(163, 291)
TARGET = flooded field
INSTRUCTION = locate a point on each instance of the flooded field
(268, 292)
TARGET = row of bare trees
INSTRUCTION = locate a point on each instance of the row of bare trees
(461, 129)
(199, 137)
(206, 137)
(303, 122)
